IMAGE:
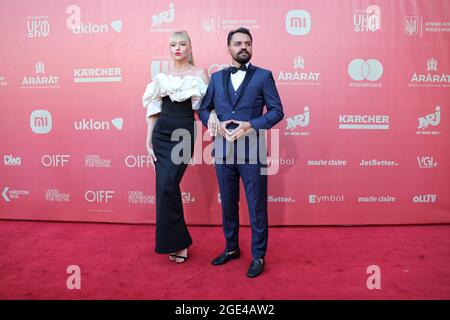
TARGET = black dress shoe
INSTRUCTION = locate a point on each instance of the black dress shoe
(225, 257)
(256, 268)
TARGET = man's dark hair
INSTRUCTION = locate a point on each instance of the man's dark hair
(238, 30)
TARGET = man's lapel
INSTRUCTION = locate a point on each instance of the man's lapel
(248, 76)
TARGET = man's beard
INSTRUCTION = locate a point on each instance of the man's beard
(243, 60)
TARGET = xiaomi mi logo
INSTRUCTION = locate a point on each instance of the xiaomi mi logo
(298, 22)
(41, 121)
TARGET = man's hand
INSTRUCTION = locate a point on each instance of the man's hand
(213, 124)
(241, 130)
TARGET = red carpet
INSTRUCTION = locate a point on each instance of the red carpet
(117, 262)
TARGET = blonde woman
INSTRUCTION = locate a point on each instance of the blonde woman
(171, 100)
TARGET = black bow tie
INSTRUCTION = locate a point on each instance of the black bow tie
(233, 69)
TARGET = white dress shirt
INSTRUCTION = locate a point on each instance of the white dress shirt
(238, 77)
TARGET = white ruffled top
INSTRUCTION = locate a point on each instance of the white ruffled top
(177, 88)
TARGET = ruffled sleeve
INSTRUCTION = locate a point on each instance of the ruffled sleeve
(152, 99)
(177, 88)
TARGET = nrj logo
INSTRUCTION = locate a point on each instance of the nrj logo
(299, 120)
(432, 119)
(166, 17)
(75, 24)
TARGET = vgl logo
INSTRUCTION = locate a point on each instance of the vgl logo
(186, 197)
(298, 22)
(38, 27)
(426, 162)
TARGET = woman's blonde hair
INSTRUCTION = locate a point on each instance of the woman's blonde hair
(183, 36)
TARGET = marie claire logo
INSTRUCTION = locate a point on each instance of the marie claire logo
(376, 199)
(298, 22)
(210, 24)
(299, 120)
(425, 198)
(138, 197)
(108, 74)
(94, 161)
(364, 122)
(40, 80)
(10, 160)
(74, 23)
(187, 197)
(431, 78)
(426, 162)
(41, 121)
(432, 119)
(158, 66)
(415, 26)
(8, 194)
(54, 195)
(367, 19)
(361, 70)
(318, 199)
(38, 27)
(297, 76)
(163, 17)
(327, 163)
(91, 124)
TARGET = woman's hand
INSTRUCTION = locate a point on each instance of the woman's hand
(151, 154)
(213, 124)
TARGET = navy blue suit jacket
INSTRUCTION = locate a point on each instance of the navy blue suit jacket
(258, 90)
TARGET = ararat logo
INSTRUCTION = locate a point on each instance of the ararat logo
(74, 23)
(41, 121)
(365, 122)
(40, 80)
(298, 22)
(298, 75)
(38, 27)
(91, 124)
(431, 78)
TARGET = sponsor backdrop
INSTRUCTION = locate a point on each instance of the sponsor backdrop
(365, 87)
